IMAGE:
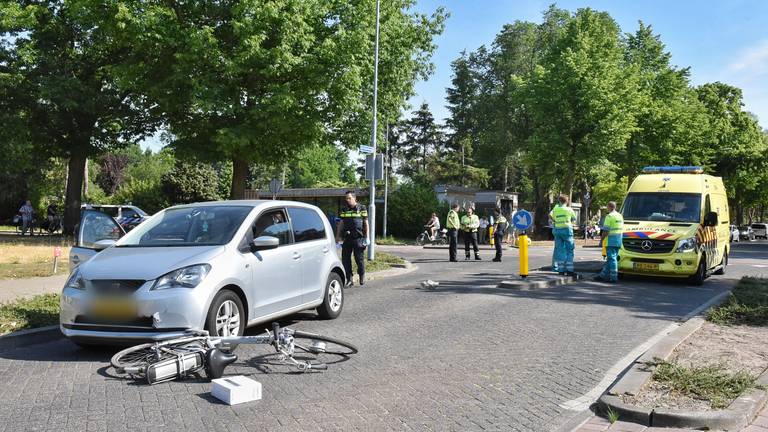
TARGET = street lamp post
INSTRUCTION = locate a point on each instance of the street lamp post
(372, 204)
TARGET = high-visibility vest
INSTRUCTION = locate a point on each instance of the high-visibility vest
(614, 226)
(452, 222)
(470, 223)
(501, 225)
(562, 215)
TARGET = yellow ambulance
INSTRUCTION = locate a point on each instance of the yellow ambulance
(675, 224)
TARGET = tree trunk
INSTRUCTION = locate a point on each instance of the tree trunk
(73, 199)
(239, 174)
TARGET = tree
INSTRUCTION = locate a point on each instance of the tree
(190, 181)
(255, 81)
(59, 55)
(321, 165)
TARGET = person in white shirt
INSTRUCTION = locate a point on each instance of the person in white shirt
(482, 231)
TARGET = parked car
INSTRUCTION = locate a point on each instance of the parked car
(761, 230)
(127, 215)
(219, 266)
(746, 233)
(734, 233)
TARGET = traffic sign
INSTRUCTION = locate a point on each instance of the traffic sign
(275, 186)
(522, 220)
(366, 149)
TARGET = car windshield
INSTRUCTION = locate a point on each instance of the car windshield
(188, 226)
(663, 207)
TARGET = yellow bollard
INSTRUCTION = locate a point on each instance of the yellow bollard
(490, 236)
(522, 244)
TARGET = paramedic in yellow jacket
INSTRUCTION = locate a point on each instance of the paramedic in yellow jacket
(469, 225)
(562, 218)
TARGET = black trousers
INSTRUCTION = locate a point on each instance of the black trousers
(347, 249)
(470, 238)
(453, 240)
(497, 239)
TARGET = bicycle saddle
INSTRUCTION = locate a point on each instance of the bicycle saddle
(216, 361)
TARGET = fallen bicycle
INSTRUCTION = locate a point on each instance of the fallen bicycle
(180, 357)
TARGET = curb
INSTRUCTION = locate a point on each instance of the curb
(737, 416)
(394, 270)
(23, 338)
(528, 284)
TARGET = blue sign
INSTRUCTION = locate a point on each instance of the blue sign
(522, 220)
(366, 149)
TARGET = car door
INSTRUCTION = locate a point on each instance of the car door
(94, 227)
(276, 273)
(312, 241)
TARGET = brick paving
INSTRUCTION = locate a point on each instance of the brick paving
(467, 356)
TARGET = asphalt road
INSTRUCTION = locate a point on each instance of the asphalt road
(466, 356)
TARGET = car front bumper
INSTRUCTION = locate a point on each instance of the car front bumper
(158, 315)
(680, 265)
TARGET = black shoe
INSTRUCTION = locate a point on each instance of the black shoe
(453, 260)
(466, 258)
(349, 284)
(362, 280)
(599, 278)
(497, 260)
(477, 258)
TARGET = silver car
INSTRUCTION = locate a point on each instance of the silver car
(219, 266)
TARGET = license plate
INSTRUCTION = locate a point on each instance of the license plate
(646, 266)
(114, 308)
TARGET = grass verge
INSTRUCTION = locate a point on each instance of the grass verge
(38, 311)
(383, 261)
(391, 241)
(711, 383)
(746, 305)
(22, 259)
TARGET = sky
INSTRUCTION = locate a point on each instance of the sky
(725, 40)
(720, 40)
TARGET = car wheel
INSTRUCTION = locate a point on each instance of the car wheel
(701, 272)
(333, 299)
(724, 264)
(227, 316)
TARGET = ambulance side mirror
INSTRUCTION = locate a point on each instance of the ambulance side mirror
(710, 219)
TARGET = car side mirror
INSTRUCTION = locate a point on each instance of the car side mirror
(264, 243)
(103, 244)
(710, 219)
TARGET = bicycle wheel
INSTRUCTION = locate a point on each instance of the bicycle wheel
(136, 359)
(332, 346)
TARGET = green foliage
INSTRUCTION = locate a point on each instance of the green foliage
(39, 311)
(321, 165)
(712, 383)
(148, 195)
(190, 182)
(410, 207)
(747, 304)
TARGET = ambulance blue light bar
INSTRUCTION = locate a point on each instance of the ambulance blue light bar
(673, 169)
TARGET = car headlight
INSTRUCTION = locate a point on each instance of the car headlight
(75, 281)
(187, 277)
(686, 245)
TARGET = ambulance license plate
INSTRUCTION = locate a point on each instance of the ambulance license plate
(648, 267)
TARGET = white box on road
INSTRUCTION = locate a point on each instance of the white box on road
(236, 389)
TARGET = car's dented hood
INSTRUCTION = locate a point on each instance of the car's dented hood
(659, 230)
(145, 263)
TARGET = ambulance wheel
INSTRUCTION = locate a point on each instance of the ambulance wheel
(724, 264)
(701, 272)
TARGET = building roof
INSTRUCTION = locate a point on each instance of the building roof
(304, 193)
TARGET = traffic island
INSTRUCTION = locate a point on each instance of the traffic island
(709, 373)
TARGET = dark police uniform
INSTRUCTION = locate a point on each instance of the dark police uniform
(498, 235)
(352, 231)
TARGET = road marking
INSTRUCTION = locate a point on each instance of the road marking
(583, 402)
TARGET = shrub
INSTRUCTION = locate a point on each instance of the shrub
(410, 207)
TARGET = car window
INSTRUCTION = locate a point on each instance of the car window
(95, 226)
(188, 226)
(307, 224)
(129, 213)
(273, 223)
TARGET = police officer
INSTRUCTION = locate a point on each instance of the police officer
(499, 231)
(452, 224)
(469, 224)
(352, 233)
(562, 218)
(611, 233)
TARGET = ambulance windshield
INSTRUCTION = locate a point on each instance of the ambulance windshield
(662, 207)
